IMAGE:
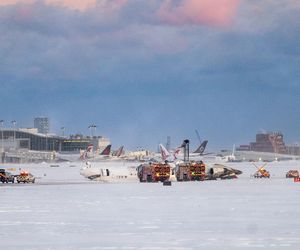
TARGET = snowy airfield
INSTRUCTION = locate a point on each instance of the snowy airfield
(63, 210)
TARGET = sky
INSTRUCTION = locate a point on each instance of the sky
(142, 70)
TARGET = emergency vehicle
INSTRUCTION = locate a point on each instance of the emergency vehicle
(25, 177)
(154, 172)
(190, 171)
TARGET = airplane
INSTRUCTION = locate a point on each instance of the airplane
(107, 173)
(201, 148)
(89, 154)
(166, 155)
(178, 155)
(231, 157)
(119, 152)
(127, 172)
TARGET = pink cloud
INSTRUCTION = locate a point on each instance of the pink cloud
(10, 2)
(198, 12)
(81, 5)
(74, 4)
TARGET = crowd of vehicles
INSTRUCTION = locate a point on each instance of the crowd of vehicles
(169, 167)
(24, 177)
(162, 172)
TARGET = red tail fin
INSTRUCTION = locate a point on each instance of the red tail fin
(120, 151)
(106, 151)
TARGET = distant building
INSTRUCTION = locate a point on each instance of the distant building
(15, 139)
(42, 124)
(293, 149)
(266, 142)
(244, 148)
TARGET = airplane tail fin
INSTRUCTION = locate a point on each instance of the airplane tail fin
(201, 148)
(85, 154)
(106, 151)
(90, 148)
(164, 152)
(120, 151)
(177, 151)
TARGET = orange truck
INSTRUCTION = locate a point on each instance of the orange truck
(262, 173)
(190, 171)
(154, 172)
(25, 177)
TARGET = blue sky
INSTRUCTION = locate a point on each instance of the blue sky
(142, 70)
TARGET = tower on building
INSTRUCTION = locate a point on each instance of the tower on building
(42, 124)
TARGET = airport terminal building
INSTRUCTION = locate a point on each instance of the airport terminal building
(20, 141)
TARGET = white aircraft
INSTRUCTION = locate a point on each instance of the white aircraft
(110, 172)
(178, 155)
(88, 153)
(231, 157)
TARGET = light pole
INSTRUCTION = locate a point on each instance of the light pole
(1, 123)
(63, 129)
(14, 126)
(92, 128)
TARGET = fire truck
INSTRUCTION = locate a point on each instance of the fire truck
(190, 171)
(154, 172)
(25, 177)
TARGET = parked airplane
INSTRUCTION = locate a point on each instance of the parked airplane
(89, 153)
(231, 157)
(166, 155)
(118, 152)
(200, 150)
(178, 155)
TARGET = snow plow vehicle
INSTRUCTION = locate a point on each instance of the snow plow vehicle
(292, 174)
(25, 177)
(6, 177)
(261, 172)
(190, 171)
(154, 172)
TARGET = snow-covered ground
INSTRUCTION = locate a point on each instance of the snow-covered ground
(65, 211)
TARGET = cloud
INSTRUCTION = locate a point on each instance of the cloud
(73, 4)
(198, 12)
(11, 2)
(81, 5)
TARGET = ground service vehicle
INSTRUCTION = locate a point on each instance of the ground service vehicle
(6, 176)
(190, 171)
(25, 177)
(261, 172)
(154, 172)
(292, 174)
